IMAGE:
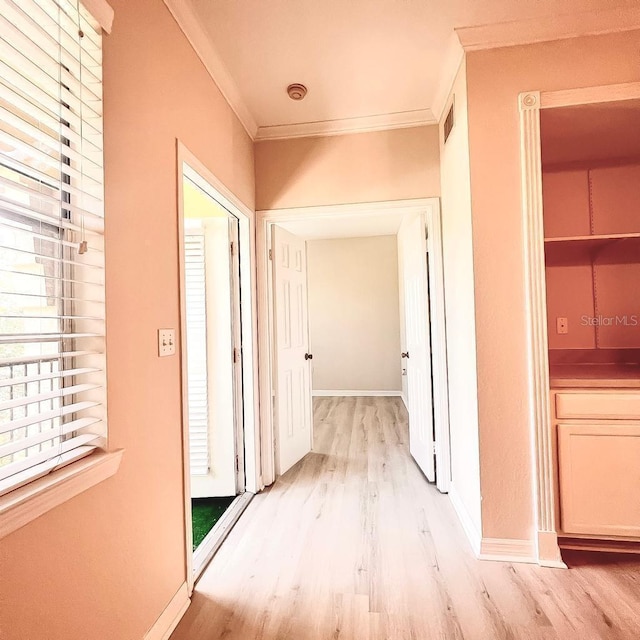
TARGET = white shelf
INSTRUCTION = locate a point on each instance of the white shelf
(614, 248)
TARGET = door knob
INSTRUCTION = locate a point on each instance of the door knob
(308, 356)
(405, 354)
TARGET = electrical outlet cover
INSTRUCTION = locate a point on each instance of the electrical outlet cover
(562, 326)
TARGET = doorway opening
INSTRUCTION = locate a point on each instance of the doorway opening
(214, 245)
(355, 299)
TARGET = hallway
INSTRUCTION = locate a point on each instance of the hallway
(354, 544)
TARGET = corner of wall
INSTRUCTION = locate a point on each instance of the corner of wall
(468, 525)
(171, 616)
(460, 309)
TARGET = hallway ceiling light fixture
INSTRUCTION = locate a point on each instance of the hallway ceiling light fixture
(297, 91)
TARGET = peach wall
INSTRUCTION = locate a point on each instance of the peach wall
(495, 78)
(104, 565)
(363, 167)
(565, 197)
(570, 296)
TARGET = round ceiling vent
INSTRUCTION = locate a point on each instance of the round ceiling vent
(297, 91)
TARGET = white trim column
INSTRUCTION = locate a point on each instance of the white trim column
(547, 549)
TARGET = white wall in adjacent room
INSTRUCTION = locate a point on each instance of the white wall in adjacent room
(354, 321)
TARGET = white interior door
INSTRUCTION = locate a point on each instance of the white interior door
(212, 393)
(417, 357)
(292, 366)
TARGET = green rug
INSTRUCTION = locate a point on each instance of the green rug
(205, 512)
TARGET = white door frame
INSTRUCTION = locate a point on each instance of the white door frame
(544, 450)
(210, 184)
(430, 207)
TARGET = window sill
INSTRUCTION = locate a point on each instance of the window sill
(36, 498)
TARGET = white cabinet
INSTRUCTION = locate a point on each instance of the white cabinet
(598, 454)
(599, 477)
(598, 405)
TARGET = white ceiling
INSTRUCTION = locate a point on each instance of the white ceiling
(362, 58)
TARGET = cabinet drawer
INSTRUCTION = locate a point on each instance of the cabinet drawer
(599, 479)
(605, 405)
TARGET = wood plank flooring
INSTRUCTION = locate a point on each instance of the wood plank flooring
(354, 544)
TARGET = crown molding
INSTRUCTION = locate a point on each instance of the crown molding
(544, 29)
(102, 11)
(453, 59)
(187, 20)
(364, 124)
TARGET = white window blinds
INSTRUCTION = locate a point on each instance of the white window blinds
(52, 369)
(196, 317)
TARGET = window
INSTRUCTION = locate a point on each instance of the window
(52, 368)
(195, 282)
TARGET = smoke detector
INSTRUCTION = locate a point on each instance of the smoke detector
(297, 91)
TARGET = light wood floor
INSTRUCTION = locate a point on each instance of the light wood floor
(354, 544)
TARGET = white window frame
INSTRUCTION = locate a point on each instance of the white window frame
(31, 500)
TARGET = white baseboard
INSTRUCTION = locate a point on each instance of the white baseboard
(404, 400)
(469, 527)
(348, 393)
(507, 550)
(172, 614)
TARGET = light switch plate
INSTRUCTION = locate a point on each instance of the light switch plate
(166, 342)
